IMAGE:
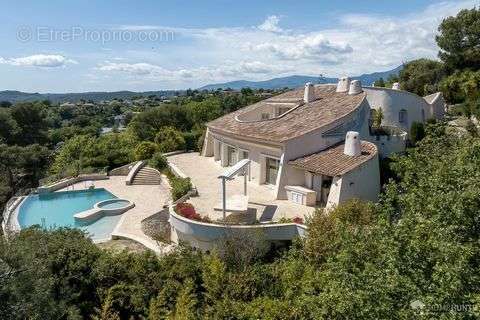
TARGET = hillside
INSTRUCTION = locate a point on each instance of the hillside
(17, 96)
(296, 81)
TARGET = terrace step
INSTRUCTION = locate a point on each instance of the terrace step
(147, 176)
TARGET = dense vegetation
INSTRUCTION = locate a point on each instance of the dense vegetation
(40, 139)
(361, 261)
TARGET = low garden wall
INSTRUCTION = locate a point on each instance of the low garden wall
(70, 181)
(206, 236)
(121, 171)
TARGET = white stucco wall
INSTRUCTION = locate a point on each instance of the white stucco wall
(362, 183)
(257, 153)
(393, 101)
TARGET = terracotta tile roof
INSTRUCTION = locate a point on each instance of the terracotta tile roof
(333, 162)
(328, 107)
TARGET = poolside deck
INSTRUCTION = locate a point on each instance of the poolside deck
(204, 171)
(148, 199)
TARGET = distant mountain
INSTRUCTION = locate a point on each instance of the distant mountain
(296, 81)
(291, 82)
(17, 96)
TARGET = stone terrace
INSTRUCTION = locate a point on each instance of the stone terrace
(204, 172)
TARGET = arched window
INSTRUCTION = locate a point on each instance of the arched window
(403, 117)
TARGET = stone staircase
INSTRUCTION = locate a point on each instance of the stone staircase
(146, 176)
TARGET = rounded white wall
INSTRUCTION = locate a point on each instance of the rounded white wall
(393, 101)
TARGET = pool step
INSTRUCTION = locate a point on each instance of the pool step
(147, 176)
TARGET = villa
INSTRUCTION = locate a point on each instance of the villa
(317, 146)
(264, 168)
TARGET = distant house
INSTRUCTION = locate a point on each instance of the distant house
(318, 140)
(67, 105)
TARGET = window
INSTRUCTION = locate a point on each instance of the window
(402, 117)
(272, 170)
(231, 156)
(243, 155)
(265, 116)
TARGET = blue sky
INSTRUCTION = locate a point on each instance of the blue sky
(73, 46)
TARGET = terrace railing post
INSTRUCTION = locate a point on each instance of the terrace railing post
(245, 184)
(224, 198)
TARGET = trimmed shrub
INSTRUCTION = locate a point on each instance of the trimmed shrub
(159, 161)
(145, 150)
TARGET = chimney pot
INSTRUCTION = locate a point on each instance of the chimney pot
(355, 87)
(309, 94)
(352, 144)
(343, 84)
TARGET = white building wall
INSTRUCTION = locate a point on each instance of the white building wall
(256, 152)
(362, 183)
(393, 101)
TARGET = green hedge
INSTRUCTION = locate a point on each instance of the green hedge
(180, 186)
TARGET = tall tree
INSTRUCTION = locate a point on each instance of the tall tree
(421, 76)
(459, 40)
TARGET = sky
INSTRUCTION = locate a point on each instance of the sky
(111, 45)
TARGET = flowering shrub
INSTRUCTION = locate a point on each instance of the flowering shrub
(298, 220)
(188, 211)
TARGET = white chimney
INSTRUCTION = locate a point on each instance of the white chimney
(352, 144)
(309, 94)
(396, 86)
(355, 87)
(343, 84)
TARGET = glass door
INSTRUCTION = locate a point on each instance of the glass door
(231, 156)
(272, 171)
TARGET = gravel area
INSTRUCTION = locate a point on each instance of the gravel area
(157, 226)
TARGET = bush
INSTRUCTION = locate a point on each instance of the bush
(188, 211)
(191, 140)
(145, 150)
(180, 187)
(201, 140)
(298, 220)
(169, 139)
(159, 161)
(417, 132)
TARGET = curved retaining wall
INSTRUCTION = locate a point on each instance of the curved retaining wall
(205, 236)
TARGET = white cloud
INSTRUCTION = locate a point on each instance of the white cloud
(271, 24)
(39, 60)
(219, 72)
(355, 44)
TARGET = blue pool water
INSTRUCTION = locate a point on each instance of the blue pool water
(57, 209)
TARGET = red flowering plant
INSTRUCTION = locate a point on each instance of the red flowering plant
(188, 211)
(298, 220)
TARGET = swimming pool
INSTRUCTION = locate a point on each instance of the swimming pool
(56, 209)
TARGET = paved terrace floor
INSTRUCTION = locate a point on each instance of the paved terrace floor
(204, 171)
(148, 199)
